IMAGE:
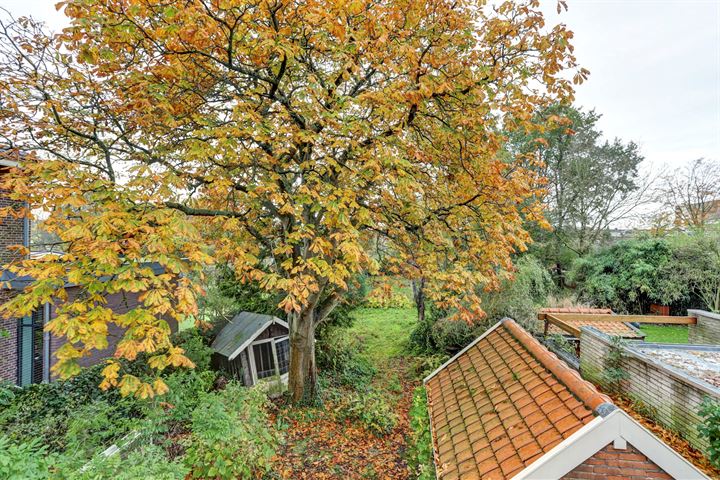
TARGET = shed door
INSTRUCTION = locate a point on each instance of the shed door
(271, 357)
(264, 359)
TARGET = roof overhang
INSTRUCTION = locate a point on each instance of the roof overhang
(8, 163)
(257, 333)
(619, 428)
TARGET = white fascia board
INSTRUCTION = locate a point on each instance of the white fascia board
(594, 436)
(656, 450)
(249, 340)
(255, 335)
(454, 357)
(568, 454)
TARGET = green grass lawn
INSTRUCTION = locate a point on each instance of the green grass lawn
(665, 333)
(383, 332)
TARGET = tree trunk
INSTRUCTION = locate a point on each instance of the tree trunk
(559, 277)
(302, 378)
(419, 297)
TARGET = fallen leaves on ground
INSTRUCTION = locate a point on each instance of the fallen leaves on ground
(671, 438)
(320, 447)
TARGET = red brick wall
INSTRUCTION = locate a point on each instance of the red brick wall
(612, 464)
(11, 233)
(8, 344)
(11, 230)
(119, 303)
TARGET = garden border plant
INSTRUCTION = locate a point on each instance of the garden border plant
(420, 450)
(710, 428)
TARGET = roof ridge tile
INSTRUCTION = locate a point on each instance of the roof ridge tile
(581, 388)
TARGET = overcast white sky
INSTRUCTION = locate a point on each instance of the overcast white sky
(655, 69)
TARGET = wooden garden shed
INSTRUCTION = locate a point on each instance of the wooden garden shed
(253, 347)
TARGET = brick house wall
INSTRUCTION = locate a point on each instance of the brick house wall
(12, 232)
(614, 464)
(671, 397)
(707, 329)
(8, 342)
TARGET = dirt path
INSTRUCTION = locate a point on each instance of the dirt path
(318, 446)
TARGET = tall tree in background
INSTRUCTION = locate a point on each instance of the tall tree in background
(691, 194)
(275, 137)
(591, 183)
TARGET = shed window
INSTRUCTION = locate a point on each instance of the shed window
(264, 361)
(271, 357)
(283, 354)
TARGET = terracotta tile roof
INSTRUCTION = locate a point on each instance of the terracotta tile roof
(620, 329)
(614, 329)
(502, 404)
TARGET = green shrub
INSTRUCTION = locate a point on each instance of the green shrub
(692, 279)
(96, 426)
(424, 365)
(371, 409)
(196, 349)
(245, 296)
(44, 411)
(518, 298)
(339, 359)
(187, 390)
(710, 428)
(230, 435)
(561, 343)
(7, 393)
(614, 372)
(450, 336)
(420, 452)
(627, 276)
(146, 462)
(24, 461)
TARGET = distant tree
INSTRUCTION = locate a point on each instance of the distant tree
(591, 183)
(627, 276)
(692, 193)
(695, 268)
(277, 138)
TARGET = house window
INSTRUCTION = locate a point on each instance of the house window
(271, 357)
(30, 349)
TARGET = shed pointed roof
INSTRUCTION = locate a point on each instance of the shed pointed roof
(241, 331)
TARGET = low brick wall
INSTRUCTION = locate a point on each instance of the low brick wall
(707, 329)
(672, 397)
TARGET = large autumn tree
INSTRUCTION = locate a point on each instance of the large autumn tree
(278, 137)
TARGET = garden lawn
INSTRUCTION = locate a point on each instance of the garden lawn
(665, 333)
(321, 446)
(383, 332)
